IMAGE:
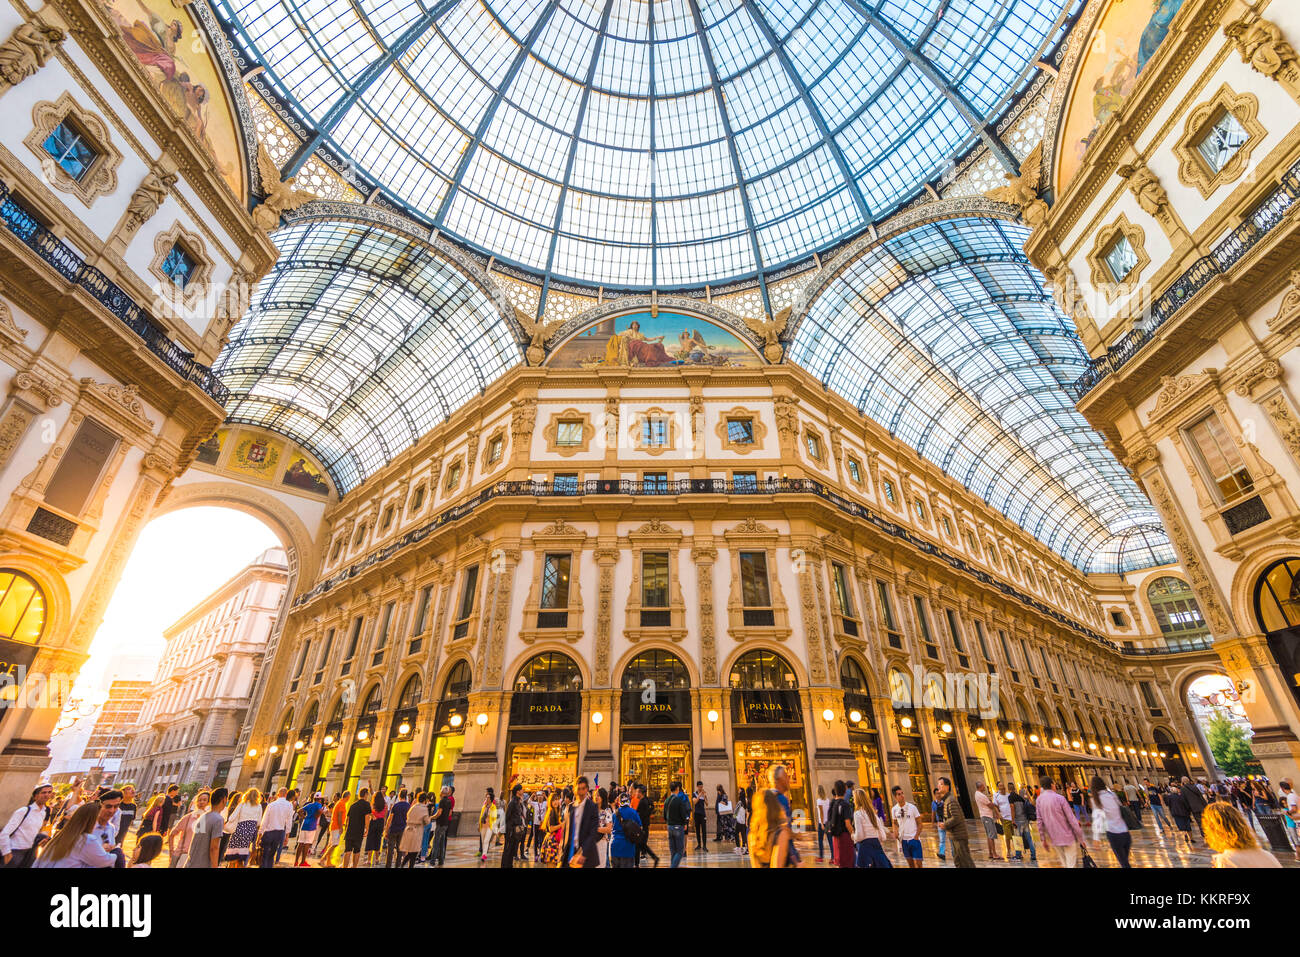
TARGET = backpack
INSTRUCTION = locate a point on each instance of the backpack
(631, 824)
(837, 819)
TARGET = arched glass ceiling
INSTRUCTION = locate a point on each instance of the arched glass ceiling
(1142, 546)
(648, 142)
(946, 336)
(358, 342)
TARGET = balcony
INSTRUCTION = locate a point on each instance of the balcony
(108, 294)
(1219, 262)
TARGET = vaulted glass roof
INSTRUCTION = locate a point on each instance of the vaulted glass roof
(946, 336)
(639, 143)
(358, 342)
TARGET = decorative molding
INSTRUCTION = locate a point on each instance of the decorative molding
(1101, 276)
(32, 45)
(552, 432)
(1192, 168)
(654, 412)
(192, 244)
(148, 196)
(1261, 44)
(101, 178)
(1176, 392)
(1151, 197)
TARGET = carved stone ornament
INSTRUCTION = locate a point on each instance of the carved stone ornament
(1173, 390)
(280, 198)
(769, 330)
(1022, 189)
(126, 396)
(1261, 44)
(148, 196)
(1193, 170)
(100, 178)
(47, 391)
(28, 48)
(1264, 372)
(1279, 411)
(538, 331)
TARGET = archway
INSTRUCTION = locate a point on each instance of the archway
(196, 607)
(1219, 722)
(767, 723)
(545, 717)
(655, 721)
(1277, 610)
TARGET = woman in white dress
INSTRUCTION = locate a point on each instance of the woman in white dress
(606, 825)
(241, 825)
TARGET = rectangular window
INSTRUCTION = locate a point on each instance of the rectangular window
(1120, 258)
(1220, 459)
(890, 494)
(654, 431)
(654, 579)
(453, 476)
(67, 146)
(1221, 141)
(566, 483)
(814, 446)
(80, 468)
(555, 581)
(745, 481)
(179, 266)
(655, 482)
(324, 658)
(947, 526)
(740, 431)
(494, 450)
(568, 432)
(894, 636)
(842, 588)
(923, 624)
(467, 592)
(354, 638)
(302, 659)
(919, 507)
(422, 610)
(388, 519)
(954, 630)
(385, 622)
(855, 471)
(984, 645)
(755, 596)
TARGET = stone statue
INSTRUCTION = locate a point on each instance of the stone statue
(769, 331)
(28, 49)
(148, 196)
(538, 331)
(1021, 190)
(1261, 44)
(281, 197)
(1145, 187)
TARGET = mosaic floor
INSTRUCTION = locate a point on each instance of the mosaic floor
(1150, 849)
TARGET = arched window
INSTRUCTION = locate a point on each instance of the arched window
(763, 671)
(1175, 608)
(410, 696)
(313, 713)
(22, 607)
(336, 716)
(1277, 596)
(459, 681)
(664, 668)
(852, 677)
(549, 671)
(372, 701)
(287, 724)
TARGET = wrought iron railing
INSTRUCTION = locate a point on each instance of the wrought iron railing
(711, 486)
(1220, 260)
(55, 253)
(1176, 647)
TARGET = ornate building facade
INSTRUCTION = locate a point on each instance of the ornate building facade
(198, 701)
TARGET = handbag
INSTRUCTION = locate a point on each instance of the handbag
(1087, 858)
(1130, 819)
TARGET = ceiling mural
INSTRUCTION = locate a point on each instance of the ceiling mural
(648, 340)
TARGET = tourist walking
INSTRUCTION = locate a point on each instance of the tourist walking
(1195, 799)
(1108, 818)
(699, 816)
(1181, 811)
(867, 833)
(21, 837)
(241, 827)
(181, 835)
(907, 827)
(821, 807)
(412, 840)
(487, 817)
(1058, 825)
(771, 840)
(581, 829)
(375, 826)
(77, 844)
(338, 821)
(839, 826)
(553, 831)
(677, 815)
(1290, 813)
(126, 813)
(516, 827)
(645, 809)
(308, 828)
(988, 819)
(395, 827)
(209, 832)
(354, 835)
(1024, 833)
(626, 836)
(1156, 801)
(954, 822)
(742, 822)
(275, 823)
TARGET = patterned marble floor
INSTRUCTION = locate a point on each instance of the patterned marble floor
(1150, 849)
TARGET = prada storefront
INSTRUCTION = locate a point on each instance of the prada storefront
(767, 724)
(655, 722)
(545, 714)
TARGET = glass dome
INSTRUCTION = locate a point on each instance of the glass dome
(647, 143)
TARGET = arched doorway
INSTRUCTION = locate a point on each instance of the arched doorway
(301, 744)
(767, 723)
(401, 733)
(363, 739)
(545, 714)
(449, 725)
(1277, 609)
(655, 722)
(329, 744)
(1170, 754)
(1219, 720)
(860, 718)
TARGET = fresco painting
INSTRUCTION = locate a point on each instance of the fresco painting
(643, 340)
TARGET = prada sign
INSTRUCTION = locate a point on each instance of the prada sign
(664, 707)
(545, 707)
(766, 707)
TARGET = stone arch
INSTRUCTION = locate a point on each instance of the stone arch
(676, 650)
(533, 651)
(440, 682)
(1243, 584)
(744, 648)
(58, 601)
(299, 544)
(404, 677)
(873, 682)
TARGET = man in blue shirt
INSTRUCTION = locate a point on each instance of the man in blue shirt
(309, 816)
(677, 815)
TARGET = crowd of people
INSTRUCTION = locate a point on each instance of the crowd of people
(581, 825)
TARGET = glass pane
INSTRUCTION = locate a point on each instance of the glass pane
(1121, 259)
(740, 431)
(70, 150)
(654, 579)
(1221, 141)
(569, 433)
(555, 581)
(467, 593)
(753, 580)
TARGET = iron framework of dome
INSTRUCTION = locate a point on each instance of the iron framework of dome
(648, 143)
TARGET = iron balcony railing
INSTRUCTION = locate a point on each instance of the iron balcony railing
(1176, 647)
(1220, 260)
(108, 294)
(688, 487)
